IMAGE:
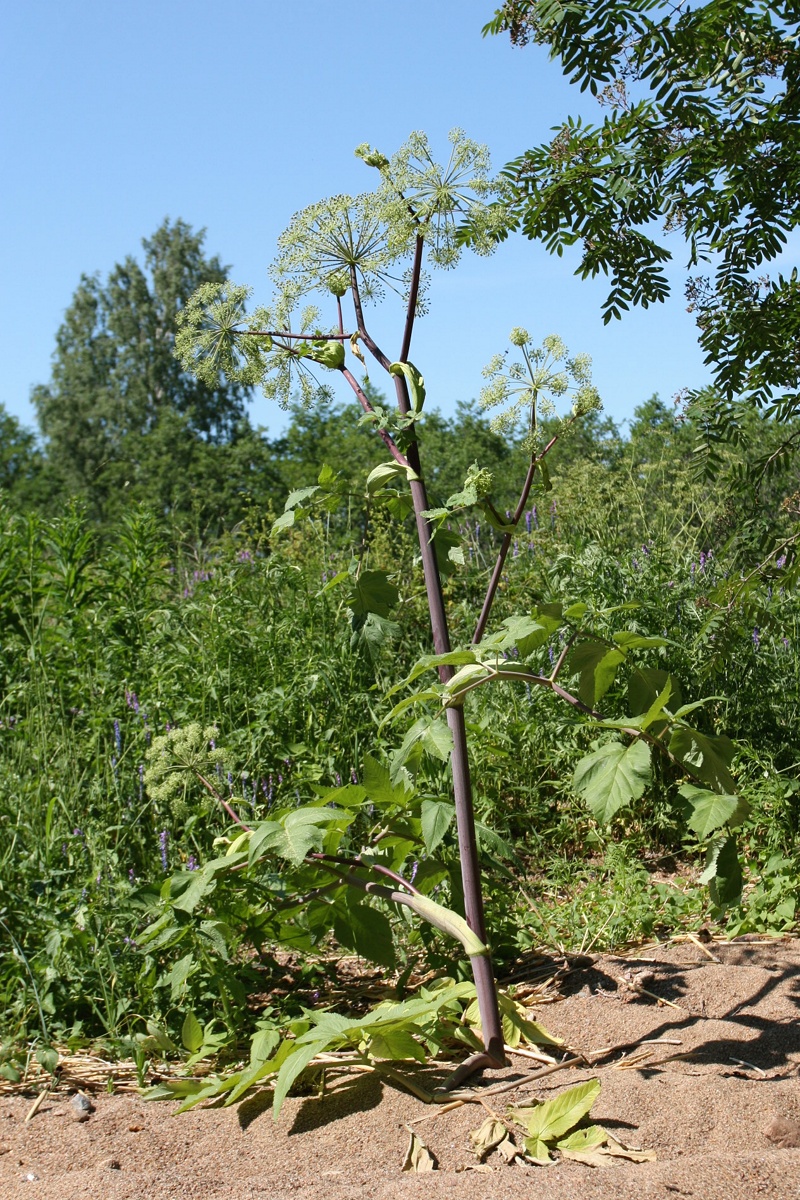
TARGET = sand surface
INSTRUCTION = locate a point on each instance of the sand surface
(704, 1114)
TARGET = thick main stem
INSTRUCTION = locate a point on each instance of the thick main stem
(482, 971)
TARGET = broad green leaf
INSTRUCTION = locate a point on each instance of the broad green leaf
(466, 675)
(646, 684)
(584, 1139)
(263, 1043)
(596, 664)
(627, 640)
(385, 473)
(301, 830)
(438, 740)
(395, 1045)
(437, 817)
(366, 931)
(710, 810)
(373, 593)
(453, 658)
(203, 882)
(377, 783)
(299, 495)
(723, 872)
(612, 777)
(177, 976)
(191, 1033)
(553, 1118)
(410, 701)
(705, 756)
(294, 1066)
(537, 1151)
(284, 521)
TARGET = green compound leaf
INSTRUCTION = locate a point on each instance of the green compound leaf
(596, 665)
(437, 817)
(710, 810)
(191, 1033)
(372, 593)
(723, 872)
(367, 932)
(705, 756)
(292, 1068)
(612, 777)
(551, 1120)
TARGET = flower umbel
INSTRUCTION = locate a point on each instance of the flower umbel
(527, 390)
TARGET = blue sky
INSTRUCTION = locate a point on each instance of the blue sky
(232, 116)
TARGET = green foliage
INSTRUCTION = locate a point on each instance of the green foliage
(699, 137)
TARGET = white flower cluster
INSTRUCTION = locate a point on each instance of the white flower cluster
(525, 390)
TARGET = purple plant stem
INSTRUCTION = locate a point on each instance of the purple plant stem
(482, 971)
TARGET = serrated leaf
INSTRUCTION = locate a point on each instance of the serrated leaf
(612, 777)
(437, 817)
(552, 1119)
(366, 931)
(373, 593)
(723, 872)
(710, 810)
(705, 756)
(395, 1045)
(292, 1068)
(584, 1139)
(377, 783)
(596, 664)
(191, 1033)
(202, 884)
(537, 1151)
(627, 640)
(298, 496)
(284, 521)
(303, 830)
(262, 1045)
(646, 684)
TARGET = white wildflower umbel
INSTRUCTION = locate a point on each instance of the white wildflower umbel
(217, 337)
(526, 390)
(429, 200)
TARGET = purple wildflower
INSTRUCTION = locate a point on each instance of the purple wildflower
(528, 521)
(163, 841)
(245, 556)
(756, 637)
(117, 737)
(132, 701)
(141, 780)
(535, 516)
(515, 552)
(131, 875)
(353, 776)
(780, 563)
(191, 863)
(414, 869)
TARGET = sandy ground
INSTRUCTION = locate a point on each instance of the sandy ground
(704, 1113)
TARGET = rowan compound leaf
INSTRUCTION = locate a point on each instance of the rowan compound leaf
(418, 1157)
(612, 777)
